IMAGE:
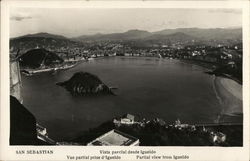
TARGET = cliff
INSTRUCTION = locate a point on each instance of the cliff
(23, 126)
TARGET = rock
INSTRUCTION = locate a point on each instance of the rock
(23, 126)
(83, 83)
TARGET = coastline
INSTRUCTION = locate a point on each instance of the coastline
(30, 72)
(229, 94)
(204, 65)
(232, 87)
(228, 91)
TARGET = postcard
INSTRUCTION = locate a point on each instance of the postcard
(124, 80)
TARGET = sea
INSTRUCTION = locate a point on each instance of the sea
(146, 87)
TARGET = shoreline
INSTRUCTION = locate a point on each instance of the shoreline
(30, 72)
(228, 91)
(229, 94)
(204, 65)
(232, 87)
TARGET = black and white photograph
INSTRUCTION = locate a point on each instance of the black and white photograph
(126, 80)
(126, 77)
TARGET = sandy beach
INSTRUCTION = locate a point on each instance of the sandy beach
(230, 96)
(232, 87)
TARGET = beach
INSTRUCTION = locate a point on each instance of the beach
(232, 87)
(229, 93)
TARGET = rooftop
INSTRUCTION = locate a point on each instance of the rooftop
(129, 116)
(114, 138)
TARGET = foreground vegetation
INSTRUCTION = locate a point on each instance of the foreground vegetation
(157, 133)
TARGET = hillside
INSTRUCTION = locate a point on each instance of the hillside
(157, 133)
(52, 42)
(39, 58)
(179, 34)
(129, 35)
(40, 40)
(44, 35)
(216, 33)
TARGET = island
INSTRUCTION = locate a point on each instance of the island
(84, 83)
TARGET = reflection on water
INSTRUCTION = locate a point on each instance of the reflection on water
(148, 87)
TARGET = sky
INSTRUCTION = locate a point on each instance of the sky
(72, 22)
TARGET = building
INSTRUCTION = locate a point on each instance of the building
(217, 137)
(128, 119)
(41, 130)
(43, 135)
(115, 138)
(159, 121)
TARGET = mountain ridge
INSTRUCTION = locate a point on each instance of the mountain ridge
(210, 33)
(164, 32)
(196, 33)
(130, 34)
(45, 40)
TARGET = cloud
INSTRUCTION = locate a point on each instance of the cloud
(17, 15)
(20, 18)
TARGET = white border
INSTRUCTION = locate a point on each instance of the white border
(195, 153)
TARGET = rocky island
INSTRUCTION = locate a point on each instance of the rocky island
(84, 83)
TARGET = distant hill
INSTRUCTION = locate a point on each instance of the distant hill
(129, 35)
(178, 36)
(43, 35)
(168, 34)
(39, 58)
(215, 33)
(50, 41)
(40, 40)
